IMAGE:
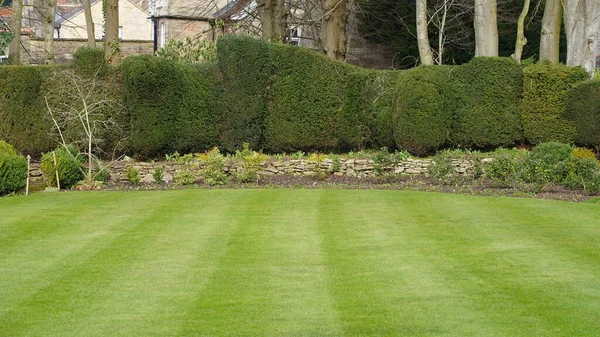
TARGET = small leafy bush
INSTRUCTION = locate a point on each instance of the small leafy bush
(68, 164)
(442, 169)
(184, 177)
(132, 175)
(547, 163)
(503, 170)
(13, 170)
(158, 174)
(214, 170)
(249, 164)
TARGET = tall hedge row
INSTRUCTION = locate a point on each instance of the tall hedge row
(307, 92)
(170, 106)
(545, 90)
(488, 112)
(366, 116)
(24, 122)
(583, 110)
(245, 65)
(425, 109)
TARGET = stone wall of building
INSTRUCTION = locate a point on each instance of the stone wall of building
(33, 49)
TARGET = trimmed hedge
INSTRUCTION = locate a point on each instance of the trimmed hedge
(90, 61)
(306, 96)
(425, 109)
(367, 113)
(583, 110)
(244, 63)
(170, 106)
(545, 90)
(13, 170)
(488, 112)
(23, 117)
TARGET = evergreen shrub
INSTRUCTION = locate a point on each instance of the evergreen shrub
(245, 66)
(305, 99)
(170, 106)
(13, 170)
(583, 110)
(545, 90)
(90, 61)
(23, 118)
(425, 109)
(367, 112)
(488, 111)
(68, 164)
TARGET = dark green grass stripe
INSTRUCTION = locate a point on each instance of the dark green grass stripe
(270, 279)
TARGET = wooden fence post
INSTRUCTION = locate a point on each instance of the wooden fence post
(56, 170)
(28, 168)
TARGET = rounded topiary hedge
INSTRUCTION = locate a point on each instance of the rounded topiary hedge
(68, 164)
(583, 110)
(488, 112)
(305, 97)
(425, 109)
(545, 90)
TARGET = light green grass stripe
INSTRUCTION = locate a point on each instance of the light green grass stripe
(492, 248)
(71, 295)
(384, 286)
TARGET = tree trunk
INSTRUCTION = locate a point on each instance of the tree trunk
(425, 53)
(89, 24)
(550, 38)
(582, 22)
(521, 40)
(273, 23)
(333, 28)
(49, 17)
(486, 28)
(14, 53)
(112, 51)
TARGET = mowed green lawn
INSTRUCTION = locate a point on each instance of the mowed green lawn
(297, 263)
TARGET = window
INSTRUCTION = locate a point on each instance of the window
(294, 36)
(163, 34)
(120, 32)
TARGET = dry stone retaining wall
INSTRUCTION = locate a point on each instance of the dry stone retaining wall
(343, 167)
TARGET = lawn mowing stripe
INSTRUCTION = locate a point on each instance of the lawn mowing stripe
(495, 258)
(155, 291)
(47, 255)
(68, 297)
(394, 290)
(267, 286)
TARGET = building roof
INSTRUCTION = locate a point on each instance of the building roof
(231, 9)
(5, 12)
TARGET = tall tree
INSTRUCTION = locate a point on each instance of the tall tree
(49, 18)
(273, 23)
(550, 38)
(582, 22)
(486, 28)
(14, 53)
(112, 51)
(425, 53)
(333, 28)
(89, 24)
(521, 40)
